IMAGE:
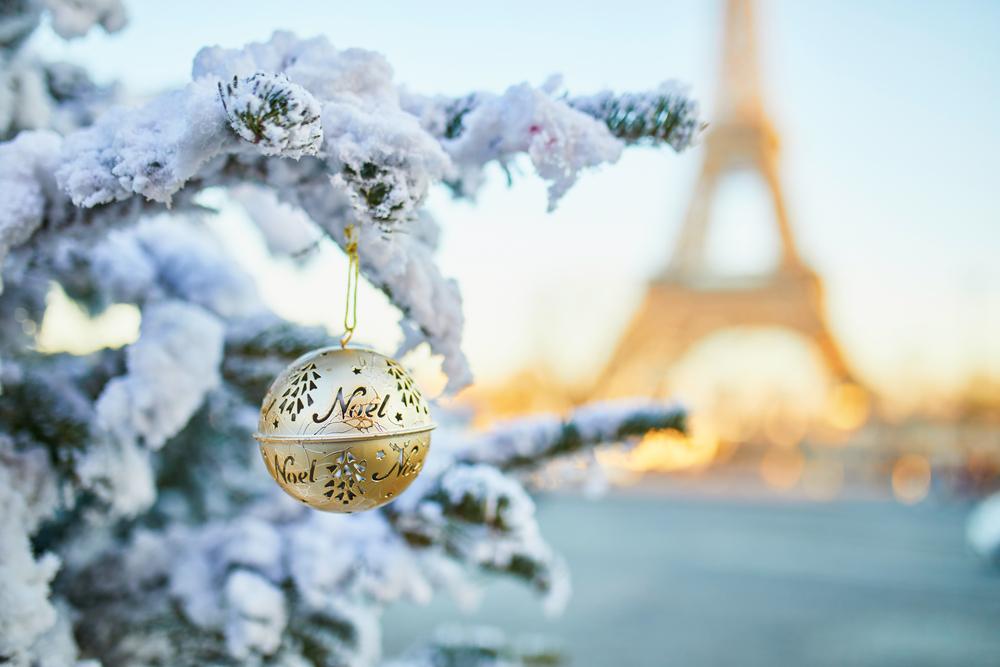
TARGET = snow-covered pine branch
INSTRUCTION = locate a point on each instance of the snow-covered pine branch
(561, 134)
(377, 153)
(529, 442)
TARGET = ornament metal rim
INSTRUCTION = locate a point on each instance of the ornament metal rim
(346, 437)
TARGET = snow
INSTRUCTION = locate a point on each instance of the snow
(75, 18)
(56, 647)
(167, 258)
(195, 579)
(313, 63)
(152, 150)
(171, 368)
(559, 140)
(489, 486)
(340, 567)
(27, 104)
(400, 157)
(276, 115)
(254, 543)
(353, 557)
(514, 438)
(287, 230)
(25, 609)
(23, 165)
(404, 267)
(511, 530)
(256, 615)
(361, 118)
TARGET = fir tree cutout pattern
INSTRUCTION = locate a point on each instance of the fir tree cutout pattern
(409, 394)
(303, 382)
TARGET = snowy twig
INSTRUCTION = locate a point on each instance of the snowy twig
(531, 441)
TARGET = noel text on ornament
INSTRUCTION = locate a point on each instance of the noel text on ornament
(405, 465)
(350, 410)
(292, 476)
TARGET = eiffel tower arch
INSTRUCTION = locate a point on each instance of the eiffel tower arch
(687, 301)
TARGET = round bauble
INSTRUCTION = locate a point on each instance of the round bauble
(344, 430)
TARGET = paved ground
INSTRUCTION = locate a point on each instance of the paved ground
(707, 582)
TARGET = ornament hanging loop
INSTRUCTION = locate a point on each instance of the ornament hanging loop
(351, 306)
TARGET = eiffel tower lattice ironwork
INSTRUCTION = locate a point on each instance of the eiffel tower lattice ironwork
(687, 302)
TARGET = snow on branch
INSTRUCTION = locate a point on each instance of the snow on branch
(562, 135)
(269, 110)
(163, 258)
(475, 507)
(531, 441)
(28, 495)
(170, 369)
(24, 165)
(488, 519)
(152, 150)
(371, 146)
(663, 115)
(287, 230)
(272, 582)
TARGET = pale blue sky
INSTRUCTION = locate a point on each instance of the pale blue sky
(888, 114)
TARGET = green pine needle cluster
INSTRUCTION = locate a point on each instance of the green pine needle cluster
(665, 116)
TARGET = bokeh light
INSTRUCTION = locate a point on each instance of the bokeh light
(911, 478)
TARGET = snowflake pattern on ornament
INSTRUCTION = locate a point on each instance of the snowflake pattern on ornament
(348, 476)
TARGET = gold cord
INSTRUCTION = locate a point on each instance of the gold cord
(351, 307)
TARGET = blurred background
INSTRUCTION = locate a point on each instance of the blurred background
(817, 282)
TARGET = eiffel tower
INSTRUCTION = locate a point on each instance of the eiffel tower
(686, 302)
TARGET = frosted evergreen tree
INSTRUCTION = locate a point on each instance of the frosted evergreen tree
(138, 525)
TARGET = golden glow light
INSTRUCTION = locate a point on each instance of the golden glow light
(666, 451)
(781, 467)
(847, 407)
(66, 327)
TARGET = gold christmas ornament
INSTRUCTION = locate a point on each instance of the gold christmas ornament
(344, 430)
